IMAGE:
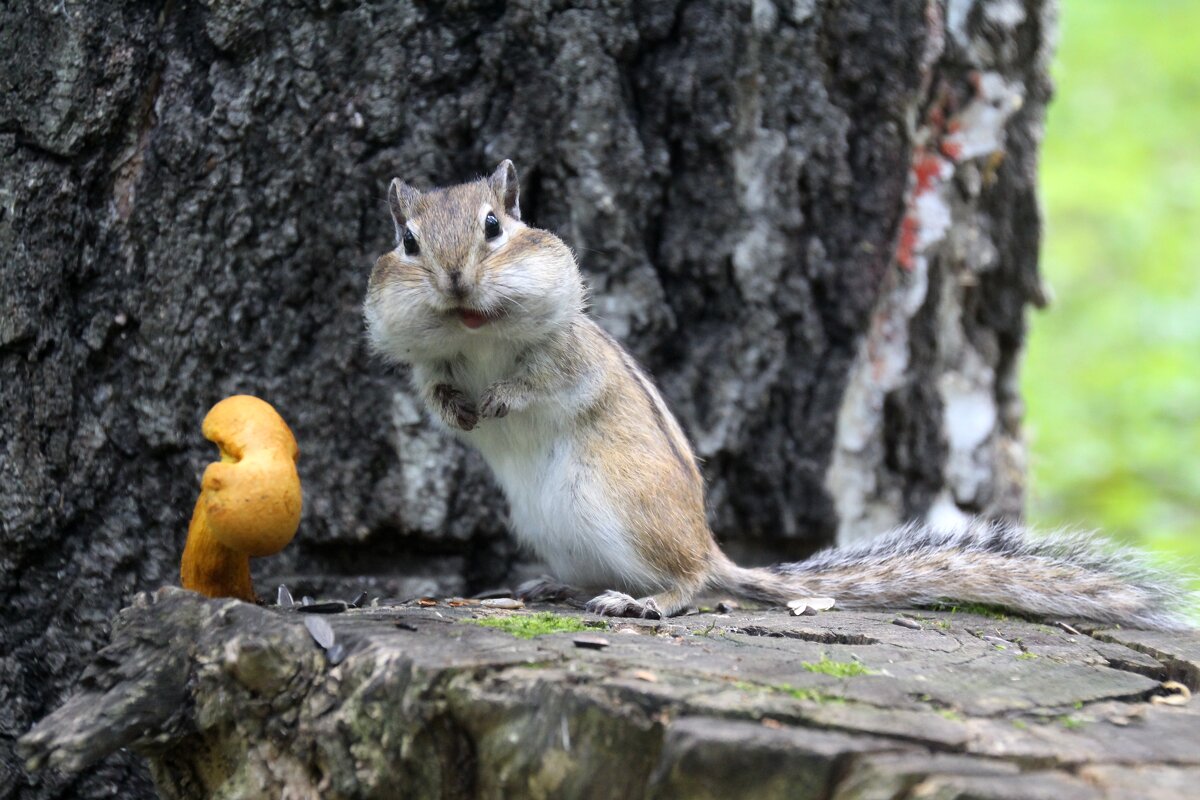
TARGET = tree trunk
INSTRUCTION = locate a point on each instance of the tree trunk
(814, 222)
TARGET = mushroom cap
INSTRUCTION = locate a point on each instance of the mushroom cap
(244, 421)
(252, 496)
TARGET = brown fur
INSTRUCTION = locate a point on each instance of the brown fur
(661, 497)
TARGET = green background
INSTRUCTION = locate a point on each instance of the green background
(1112, 373)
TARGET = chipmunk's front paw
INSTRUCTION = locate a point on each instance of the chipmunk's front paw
(454, 407)
(619, 604)
(496, 402)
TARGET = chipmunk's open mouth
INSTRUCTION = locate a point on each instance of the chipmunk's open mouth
(477, 319)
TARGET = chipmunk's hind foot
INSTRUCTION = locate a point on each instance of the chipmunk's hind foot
(619, 604)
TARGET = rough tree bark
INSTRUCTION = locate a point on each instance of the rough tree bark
(815, 222)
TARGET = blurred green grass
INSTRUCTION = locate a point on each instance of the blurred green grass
(1112, 373)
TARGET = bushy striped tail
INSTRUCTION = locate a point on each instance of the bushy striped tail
(998, 564)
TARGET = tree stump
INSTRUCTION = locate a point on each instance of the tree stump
(424, 699)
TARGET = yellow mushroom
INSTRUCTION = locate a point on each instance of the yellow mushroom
(249, 504)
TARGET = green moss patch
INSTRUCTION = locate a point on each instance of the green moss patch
(797, 692)
(527, 626)
(993, 612)
(838, 669)
(812, 695)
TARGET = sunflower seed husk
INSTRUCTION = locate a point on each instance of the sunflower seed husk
(815, 603)
(591, 642)
(502, 602)
(320, 630)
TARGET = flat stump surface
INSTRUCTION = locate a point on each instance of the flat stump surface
(424, 699)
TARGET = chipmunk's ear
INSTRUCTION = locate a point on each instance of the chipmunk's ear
(504, 184)
(401, 199)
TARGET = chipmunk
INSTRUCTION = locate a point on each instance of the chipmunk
(602, 483)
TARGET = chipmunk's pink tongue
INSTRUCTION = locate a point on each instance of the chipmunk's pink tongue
(472, 319)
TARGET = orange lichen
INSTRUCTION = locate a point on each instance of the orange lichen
(926, 168)
(250, 501)
(951, 150)
(908, 242)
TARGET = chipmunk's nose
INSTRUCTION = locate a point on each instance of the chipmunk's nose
(457, 289)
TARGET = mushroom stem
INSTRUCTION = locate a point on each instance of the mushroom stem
(211, 568)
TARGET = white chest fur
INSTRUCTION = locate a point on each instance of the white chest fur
(560, 507)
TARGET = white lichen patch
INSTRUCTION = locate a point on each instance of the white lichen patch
(969, 413)
(758, 256)
(932, 211)
(865, 506)
(957, 14)
(981, 124)
(1005, 14)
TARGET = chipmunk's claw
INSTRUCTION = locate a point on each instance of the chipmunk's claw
(495, 402)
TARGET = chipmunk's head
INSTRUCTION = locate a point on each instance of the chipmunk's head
(465, 265)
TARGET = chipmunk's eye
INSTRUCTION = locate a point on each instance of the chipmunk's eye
(491, 226)
(410, 243)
